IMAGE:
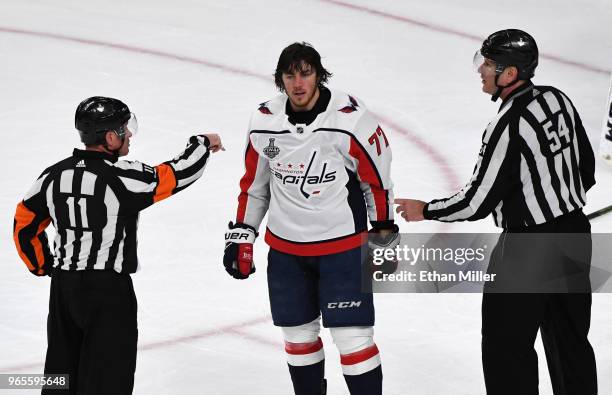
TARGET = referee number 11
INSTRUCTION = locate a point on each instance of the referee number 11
(82, 203)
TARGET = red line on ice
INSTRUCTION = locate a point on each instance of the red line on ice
(244, 333)
(236, 329)
(452, 181)
(429, 150)
(436, 156)
(232, 329)
(457, 33)
(131, 48)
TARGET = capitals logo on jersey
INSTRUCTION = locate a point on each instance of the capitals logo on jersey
(323, 184)
(271, 151)
(308, 182)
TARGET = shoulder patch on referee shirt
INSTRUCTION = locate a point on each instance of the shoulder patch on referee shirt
(482, 149)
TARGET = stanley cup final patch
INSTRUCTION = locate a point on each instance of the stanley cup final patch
(271, 151)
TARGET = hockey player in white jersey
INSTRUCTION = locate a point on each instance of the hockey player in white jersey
(318, 163)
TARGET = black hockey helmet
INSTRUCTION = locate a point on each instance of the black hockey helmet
(512, 47)
(97, 115)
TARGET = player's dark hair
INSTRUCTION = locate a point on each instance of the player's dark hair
(291, 59)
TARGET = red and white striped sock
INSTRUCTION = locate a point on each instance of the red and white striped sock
(302, 354)
(360, 361)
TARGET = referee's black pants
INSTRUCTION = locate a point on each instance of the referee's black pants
(511, 317)
(92, 331)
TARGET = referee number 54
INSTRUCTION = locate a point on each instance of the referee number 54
(558, 135)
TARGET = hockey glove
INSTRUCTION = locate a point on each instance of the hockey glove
(238, 255)
(379, 241)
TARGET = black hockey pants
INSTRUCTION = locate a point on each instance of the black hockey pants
(92, 332)
(511, 320)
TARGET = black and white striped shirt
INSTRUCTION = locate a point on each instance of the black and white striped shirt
(94, 201)
(535, 164)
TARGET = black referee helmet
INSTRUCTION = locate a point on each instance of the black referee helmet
(97, 115)
(512, 47)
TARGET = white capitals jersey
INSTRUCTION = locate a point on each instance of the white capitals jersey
(319, 182)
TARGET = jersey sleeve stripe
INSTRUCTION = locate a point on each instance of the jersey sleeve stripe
(536, 181)
(166, 184)
(540, 173)
(366, 165)
(193, 165)
(251, 159)
(551, 168)
(466, 202)
(573, 161)
(367, 173)
(192, 155)
(129, 165)
(184, 181)
(191, 147)
(137, 186)
(36, 188)
(139, 175)
(134, 170)
(29, 244)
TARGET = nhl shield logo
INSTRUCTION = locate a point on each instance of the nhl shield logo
(271, 151)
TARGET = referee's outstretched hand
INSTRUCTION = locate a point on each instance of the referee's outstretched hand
(215, 144)
(410, 209)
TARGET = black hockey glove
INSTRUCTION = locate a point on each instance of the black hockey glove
(381, 239)
(238, 255)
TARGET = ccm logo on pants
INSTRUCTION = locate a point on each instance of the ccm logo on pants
(343, 305)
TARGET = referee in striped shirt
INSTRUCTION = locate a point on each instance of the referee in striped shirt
(94, 200)
(533, 171)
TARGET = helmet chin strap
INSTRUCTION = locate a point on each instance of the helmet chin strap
(115, 152)
(500, 88)
(498, 91)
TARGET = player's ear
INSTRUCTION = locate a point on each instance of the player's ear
(111, 139)
(511, 73)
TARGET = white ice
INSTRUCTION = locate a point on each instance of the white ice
(190, 66)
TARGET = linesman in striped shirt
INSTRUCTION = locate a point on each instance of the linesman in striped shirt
(533, 171)
(93, 200)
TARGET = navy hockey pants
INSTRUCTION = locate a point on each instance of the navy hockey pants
(301, 288)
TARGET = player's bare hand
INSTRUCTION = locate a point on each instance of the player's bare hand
(215, 142)
(410, 209)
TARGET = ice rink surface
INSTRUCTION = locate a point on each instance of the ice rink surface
(194, 66)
